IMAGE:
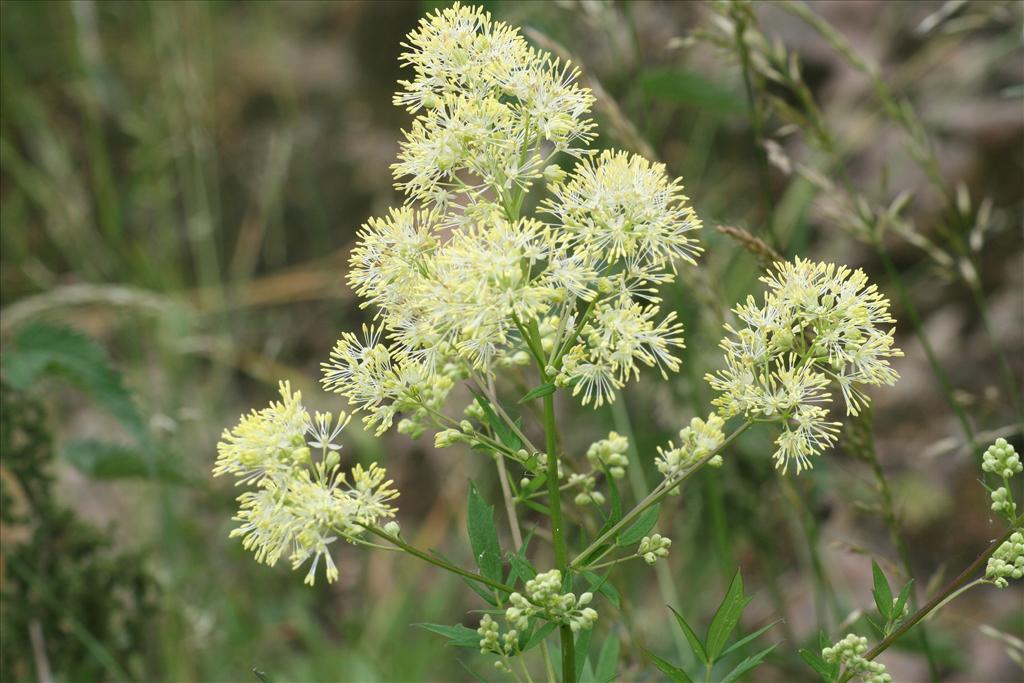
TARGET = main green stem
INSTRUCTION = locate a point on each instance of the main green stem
(557, 532)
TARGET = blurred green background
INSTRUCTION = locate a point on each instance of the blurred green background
(180, 184)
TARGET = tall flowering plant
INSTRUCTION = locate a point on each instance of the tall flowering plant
(468, 288)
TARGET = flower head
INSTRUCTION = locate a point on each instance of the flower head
(302, 503)
(819, 326)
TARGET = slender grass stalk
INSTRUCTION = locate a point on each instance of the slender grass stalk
(739, 14)
(923, 152)
(933, 360)
(510, 504)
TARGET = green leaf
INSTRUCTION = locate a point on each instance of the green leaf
(458, 635)
(691, 636)
(108, 460)
(747, 664)
(615, 514)
(500, 427)
(814, 660)
(538, 392)
(483, 537)
(746, 639)
(602, 586)
(675, 674)
(689, 87)
(485, 593)
(582, 648)
(641, 527)
(608, 659)
(726, 618)
(542, 633)
(878, 628)
(537, 507)
(42, 349)
(901, 601)
(882, 592)
(472, 673)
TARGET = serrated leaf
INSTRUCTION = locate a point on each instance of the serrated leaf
(483, 537)
(500, 427)
(691, 637)
(748, 664)
(108, 460)
(882, 593)
(538, 392)
(608, 659)
(746, 639)
(641, 527)
(458, 635)
(726, 617)
(521, 567)
(582, 649)
(675, 674)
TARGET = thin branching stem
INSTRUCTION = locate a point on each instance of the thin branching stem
(937, 601)
(655, 496)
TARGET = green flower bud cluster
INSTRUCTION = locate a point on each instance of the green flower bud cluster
(610, 453)
(1001, 459)
(545, 599)
(699, 439)
(588, 495)
(849, 652)
(653, 547)
(495, 642)
(1007, 561)
(1002, 502)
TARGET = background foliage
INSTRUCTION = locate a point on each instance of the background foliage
(180, 184)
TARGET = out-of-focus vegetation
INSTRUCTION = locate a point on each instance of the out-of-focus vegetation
(180, 184)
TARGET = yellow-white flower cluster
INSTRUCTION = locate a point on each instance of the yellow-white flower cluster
(818, 326)
(491, 110)
(462, 282)
(302, 502)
